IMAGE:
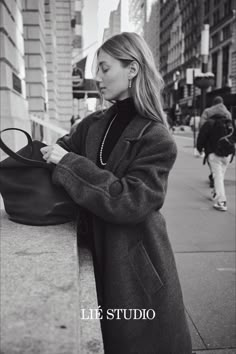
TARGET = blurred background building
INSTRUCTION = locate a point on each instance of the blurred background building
(114, 24)
(173, 30)
(45, 55)
(181, 24)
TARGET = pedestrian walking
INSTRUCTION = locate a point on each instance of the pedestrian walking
(194, 123)
(217, 107)
(216, 138)
(115, 166)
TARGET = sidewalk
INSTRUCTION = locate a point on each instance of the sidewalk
(203, 240)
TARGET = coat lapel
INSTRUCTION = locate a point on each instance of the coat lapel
(132, 133)
(96, 132)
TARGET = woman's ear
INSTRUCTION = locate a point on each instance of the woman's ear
(133, 69)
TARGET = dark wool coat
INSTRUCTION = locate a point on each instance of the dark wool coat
(134, 262)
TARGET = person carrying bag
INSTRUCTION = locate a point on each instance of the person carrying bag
(216, 138)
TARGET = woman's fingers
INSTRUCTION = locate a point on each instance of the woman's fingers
(45, 149)
(46, 156)
(46, 152)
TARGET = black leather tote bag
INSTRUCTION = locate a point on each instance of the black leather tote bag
(27, 190)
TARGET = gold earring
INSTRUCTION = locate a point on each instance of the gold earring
(130, 83)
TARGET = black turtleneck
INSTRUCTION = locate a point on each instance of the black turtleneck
(125, 111)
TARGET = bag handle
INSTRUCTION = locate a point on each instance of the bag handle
(22, 159)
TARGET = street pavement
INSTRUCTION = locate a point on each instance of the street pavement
(203, 240)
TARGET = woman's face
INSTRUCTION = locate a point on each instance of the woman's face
(112, 77)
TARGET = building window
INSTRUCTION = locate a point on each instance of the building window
(215, 64)
(78, 18)
(181, 92)
(189, 90)
(16, 83)
(225, 65)
(227, 7)
(215, 39)
(77, 42)
(206, 6)
(226, 32)
(216, 17)
(72, 22)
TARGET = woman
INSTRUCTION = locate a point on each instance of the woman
(116, 170)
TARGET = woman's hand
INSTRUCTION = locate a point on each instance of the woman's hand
(53, 153)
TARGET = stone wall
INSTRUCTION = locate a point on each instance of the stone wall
(35, 60)
(14, 106)
(51, 58)
(35, 64)
(64, 61)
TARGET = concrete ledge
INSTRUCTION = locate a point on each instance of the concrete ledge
(42, 289)
(90, 330)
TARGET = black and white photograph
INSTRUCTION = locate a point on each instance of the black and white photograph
(117, 176)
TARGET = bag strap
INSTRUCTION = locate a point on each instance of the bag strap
(22, 159)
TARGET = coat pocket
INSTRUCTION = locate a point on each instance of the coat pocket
(145, 271)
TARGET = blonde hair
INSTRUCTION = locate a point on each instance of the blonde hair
(148, 84)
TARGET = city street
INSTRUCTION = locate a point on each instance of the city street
(203, 240)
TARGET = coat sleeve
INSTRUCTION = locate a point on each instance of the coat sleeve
(121, 200)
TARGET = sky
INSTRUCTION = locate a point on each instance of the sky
(95, 19)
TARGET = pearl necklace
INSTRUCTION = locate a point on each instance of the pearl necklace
(103, 142)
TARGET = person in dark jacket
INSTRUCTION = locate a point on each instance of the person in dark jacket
(115, 166)
(217, 107)
(210, 133)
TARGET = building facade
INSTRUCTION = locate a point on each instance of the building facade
(151, 28)
(140, 16)
(221, 15)
(137, 15)
(36, 63)
(181, 23)
(180, 37)
(114, 24)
